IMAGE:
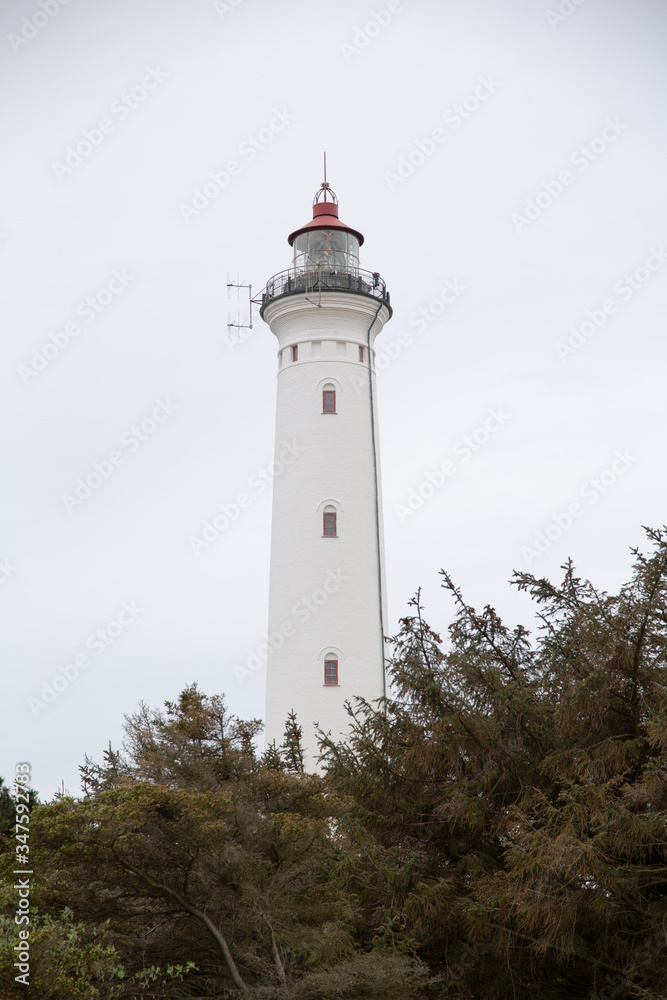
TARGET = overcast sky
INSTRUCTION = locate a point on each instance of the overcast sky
(506, 164)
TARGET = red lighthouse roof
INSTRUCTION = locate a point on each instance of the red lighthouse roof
(325, 215)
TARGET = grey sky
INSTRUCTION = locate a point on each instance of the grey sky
(531, 90)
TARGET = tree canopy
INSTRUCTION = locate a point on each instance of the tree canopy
(494, 828)
(511, 797)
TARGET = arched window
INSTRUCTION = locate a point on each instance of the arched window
(330, 671)
(330, 527)
(329, 398)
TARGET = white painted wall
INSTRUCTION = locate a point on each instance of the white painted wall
(324, 592)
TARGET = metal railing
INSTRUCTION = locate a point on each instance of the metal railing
(295, 281)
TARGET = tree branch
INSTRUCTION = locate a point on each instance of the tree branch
(200, 915)
(275, 954)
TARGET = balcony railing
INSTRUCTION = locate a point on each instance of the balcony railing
(295, 281)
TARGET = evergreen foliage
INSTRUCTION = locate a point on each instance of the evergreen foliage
(510, 799)
(495, 828)
(189, 852)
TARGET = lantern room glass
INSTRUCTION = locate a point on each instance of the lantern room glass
(328, 250)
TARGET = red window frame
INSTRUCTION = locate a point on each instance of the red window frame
(331, 671)
(361, 353)
(328, 401)
(329, 522)
(295, 352)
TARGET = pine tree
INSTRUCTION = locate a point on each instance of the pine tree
(194, 854)
(510, 818)
(292, 747)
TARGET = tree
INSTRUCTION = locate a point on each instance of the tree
(190, 850)
(510, 818)
(8, 809)
(496, 827)
(292, 747)
(65, 961)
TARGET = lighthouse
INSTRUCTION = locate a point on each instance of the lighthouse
(327, 607)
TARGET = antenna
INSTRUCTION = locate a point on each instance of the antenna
(239, 284)
(233, 342)
(325, 171)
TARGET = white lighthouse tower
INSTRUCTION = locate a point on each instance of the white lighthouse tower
(327, 595)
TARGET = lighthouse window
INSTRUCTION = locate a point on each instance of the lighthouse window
(331, 671)
(361, 354)
(327, 251)
(295, 353)
(330, 524)
(329, 401)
